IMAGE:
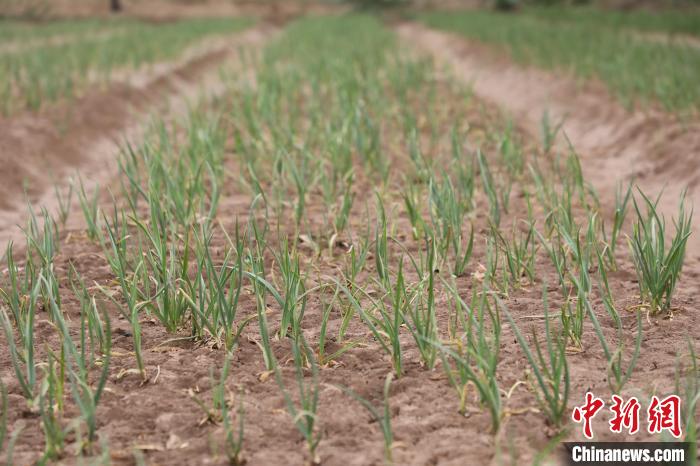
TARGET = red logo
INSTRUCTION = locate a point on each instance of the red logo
(625, 415)
(587, 412)
(662, 415)
(665, 415)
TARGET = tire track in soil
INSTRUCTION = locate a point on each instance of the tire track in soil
(659, 151)
(37, 152)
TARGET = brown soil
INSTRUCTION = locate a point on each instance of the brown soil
(649, 146)
(160, 420)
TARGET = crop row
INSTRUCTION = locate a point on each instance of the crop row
(43, 74)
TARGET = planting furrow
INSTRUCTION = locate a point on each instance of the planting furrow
(46, 163)
(645, 146)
